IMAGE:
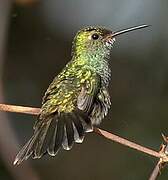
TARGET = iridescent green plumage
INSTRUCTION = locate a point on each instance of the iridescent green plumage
(77, 99)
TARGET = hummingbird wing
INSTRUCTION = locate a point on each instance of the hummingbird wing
(100, 106)
(64, 117)
(70, 92)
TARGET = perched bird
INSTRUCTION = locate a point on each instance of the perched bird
(78, 98)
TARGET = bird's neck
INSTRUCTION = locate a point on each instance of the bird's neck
(96, 61)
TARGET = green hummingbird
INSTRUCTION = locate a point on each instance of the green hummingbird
(78, 98)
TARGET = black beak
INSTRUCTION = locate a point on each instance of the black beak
(114, 34)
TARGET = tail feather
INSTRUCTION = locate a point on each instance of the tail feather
(79, 127)
(40, 140)
(26, 151)
(68, 134)
(51, 149)
(59, 136)
(58, 131)
(49, 135)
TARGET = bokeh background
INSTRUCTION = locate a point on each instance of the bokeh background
(35, 44)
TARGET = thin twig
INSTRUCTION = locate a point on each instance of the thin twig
(128, 143)
(155, 172)
(19, 109)
(113, 137)
(162, 162)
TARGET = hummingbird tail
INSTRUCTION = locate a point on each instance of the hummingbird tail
(53, 133)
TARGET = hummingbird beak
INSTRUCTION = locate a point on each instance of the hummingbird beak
(114, 34)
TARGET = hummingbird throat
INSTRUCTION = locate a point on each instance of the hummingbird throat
(98, 61)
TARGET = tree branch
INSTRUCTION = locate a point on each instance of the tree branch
(162, 155)
(19, 109)
(155, 172)
(128, 143)
(161, 163)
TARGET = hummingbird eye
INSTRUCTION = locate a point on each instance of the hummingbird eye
(95, 36)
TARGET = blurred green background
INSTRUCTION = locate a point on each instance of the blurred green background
(35, 44)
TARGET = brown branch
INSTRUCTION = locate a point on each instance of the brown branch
(155, 172)
(19, 109)
(161, 154)
(125, 142)
(162, 162)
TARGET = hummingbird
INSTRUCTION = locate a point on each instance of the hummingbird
(77, 99)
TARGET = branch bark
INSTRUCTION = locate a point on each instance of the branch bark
(155, 172)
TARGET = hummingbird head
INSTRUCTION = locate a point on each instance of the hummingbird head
(92, 40)
(97, 40)
(92, 47)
